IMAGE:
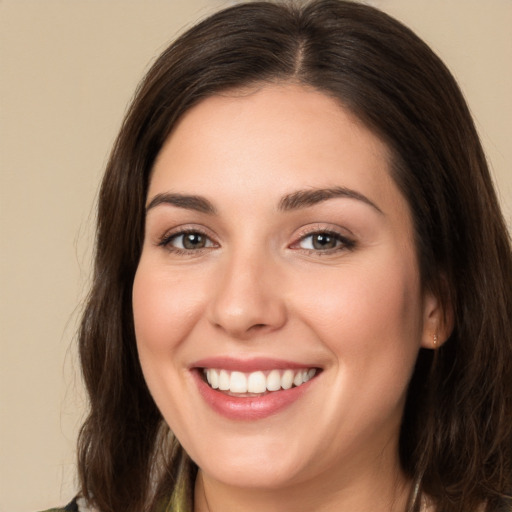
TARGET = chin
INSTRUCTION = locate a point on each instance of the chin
(257, 466)
(252, 476)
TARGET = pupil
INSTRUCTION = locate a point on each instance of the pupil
(193, 241)
(323, 241)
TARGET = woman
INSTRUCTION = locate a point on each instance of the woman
(301, 272)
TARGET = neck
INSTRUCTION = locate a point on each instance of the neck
(380, 490)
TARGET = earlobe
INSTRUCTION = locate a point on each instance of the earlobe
(437, 322)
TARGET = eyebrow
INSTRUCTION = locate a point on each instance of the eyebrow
(294, 201)
(305, 198)
(189, 202)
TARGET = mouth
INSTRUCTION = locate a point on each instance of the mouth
(246, 390)
(256, 383)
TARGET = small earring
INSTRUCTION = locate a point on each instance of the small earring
(435, 341)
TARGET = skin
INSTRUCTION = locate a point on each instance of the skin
(260, 288)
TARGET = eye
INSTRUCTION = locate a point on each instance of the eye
(324, 241)
(187, 241)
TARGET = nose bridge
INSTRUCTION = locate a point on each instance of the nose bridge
(247, 297)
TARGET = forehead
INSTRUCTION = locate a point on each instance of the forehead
(247, 148)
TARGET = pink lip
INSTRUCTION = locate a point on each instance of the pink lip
(248, 365)
(248, 408)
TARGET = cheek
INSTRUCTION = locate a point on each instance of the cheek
(165, 307)
(370, 317)
(165, 310)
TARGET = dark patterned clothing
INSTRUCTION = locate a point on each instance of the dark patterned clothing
(70, 507)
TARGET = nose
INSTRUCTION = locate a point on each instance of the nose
(248, 298)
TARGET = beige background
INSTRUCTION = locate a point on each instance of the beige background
(68, 69)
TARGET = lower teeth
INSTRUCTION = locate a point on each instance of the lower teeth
(245, 395)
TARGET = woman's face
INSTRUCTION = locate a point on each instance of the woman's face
(279, 259)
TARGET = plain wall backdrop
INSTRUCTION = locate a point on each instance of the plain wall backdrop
(67, 72)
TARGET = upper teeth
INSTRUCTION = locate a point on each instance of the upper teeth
(257, 382)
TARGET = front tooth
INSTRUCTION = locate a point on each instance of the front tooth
(297, 380)
(238, 383)
(287, 379)
(213, 378)
(257, 383)
(223, 380)
(274, 381)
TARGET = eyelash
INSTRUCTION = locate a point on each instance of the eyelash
(343, 243)
(167, 239)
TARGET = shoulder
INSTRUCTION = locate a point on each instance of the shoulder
(80, 505)
(77, 505)
(70, 507)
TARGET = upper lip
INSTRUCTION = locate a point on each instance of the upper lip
(249, 365)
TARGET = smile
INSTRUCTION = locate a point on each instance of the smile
(248, 390)
(238, 383)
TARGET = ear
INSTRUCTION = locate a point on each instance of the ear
(437, 321)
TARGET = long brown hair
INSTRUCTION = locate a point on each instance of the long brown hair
(456, 437)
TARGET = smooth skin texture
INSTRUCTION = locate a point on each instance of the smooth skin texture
(266, 269)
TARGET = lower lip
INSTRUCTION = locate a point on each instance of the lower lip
(249, 408)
